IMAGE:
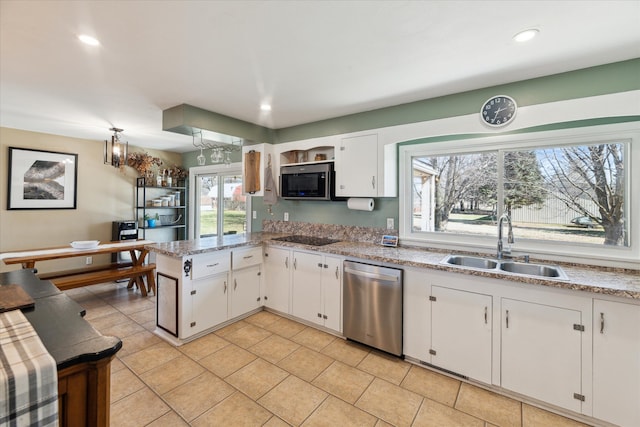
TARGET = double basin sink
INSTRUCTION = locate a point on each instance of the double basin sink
(514, 267)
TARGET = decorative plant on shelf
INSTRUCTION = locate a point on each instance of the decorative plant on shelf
(151, 220)
(177, 173)
(145, 164)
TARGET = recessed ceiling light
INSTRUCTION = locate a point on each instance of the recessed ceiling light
(91, 41)
(265, 107)
(526, 35)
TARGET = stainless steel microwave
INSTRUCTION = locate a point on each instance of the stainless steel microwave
(307, 182)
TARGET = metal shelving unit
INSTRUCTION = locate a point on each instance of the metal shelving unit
(145, 194)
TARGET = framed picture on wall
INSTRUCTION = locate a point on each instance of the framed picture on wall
(42, 179)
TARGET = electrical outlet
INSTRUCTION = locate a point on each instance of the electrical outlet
(254, 215)
(88, 260)
(286, 216)
(390, 224)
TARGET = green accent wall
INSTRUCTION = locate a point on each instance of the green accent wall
(611, 78)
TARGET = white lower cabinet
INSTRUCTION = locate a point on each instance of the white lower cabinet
(208, 299)
(277, 265)
(306, 286)
(331, 301)
(541, 352)
(416, 314)
(316, 289)
(461, 326)
(244, 281)
(616, 362)
(245, 290)
(202, 291)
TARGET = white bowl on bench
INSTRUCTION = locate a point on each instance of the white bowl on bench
(85, 244)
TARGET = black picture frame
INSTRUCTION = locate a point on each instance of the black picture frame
(40, 179)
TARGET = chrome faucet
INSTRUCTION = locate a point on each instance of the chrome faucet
(504, 217)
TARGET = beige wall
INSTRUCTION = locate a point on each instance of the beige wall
(104, 194)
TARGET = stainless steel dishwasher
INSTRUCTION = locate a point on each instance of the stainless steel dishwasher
(372, 306)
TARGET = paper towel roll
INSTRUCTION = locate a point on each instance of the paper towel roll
(360, 204)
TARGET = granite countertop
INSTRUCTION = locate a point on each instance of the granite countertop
(600, 280)
(58, 321)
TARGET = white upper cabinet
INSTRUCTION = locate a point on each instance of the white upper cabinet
(357, 167)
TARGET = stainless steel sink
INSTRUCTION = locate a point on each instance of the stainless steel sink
(532, 269)
(471, 261)
(513, 267)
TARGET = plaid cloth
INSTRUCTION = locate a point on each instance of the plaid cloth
(28, 375)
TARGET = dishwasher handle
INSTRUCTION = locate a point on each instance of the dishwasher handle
(378, 276)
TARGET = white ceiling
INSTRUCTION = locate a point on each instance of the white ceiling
(311, 60)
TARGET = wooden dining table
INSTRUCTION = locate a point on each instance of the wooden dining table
(135, 270)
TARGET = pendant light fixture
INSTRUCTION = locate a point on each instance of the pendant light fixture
(116, 154)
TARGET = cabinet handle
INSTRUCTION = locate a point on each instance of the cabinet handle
(286, 262)
(602, 323)
(225, 286)
(295, 263)
(235, 284)
(247, 257)
(337, 273)
(213, 265)
(373, 182)
(485, 314)
(507, 319)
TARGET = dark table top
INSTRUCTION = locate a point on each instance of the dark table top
(57, 319)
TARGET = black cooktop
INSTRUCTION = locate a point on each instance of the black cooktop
(307, 240)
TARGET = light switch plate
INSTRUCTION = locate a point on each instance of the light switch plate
(254, 215)
(390, 224)
(286, 216)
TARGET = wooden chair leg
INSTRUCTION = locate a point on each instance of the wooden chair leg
(151, 282)
(141, 285)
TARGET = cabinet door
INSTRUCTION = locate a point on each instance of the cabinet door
(306, 286)
(541, 352)
(245, 290)
(332, 293)
(208, 303)
(277, 264)
(416, 315)
(616, 362)
(460, 328)
(357, 167)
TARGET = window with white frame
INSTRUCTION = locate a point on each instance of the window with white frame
(562, 190)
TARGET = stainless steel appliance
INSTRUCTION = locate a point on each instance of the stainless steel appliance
(307, 182)
(372, 306)
(123, 230)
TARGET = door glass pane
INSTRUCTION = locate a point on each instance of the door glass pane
(234, 205)
(207, 213)
(221, 209)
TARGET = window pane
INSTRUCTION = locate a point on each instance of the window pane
(455, 193)
(568, 193)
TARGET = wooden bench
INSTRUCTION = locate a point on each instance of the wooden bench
(70, 279)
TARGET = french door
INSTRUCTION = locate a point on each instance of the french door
(218, 205)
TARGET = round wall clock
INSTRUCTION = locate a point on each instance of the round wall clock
(498, 110)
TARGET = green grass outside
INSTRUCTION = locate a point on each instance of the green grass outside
(233, 220)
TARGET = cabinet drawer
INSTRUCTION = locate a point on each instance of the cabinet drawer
(209, 264)
(247, 257)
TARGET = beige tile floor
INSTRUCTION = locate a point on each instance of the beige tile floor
(267, 370)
